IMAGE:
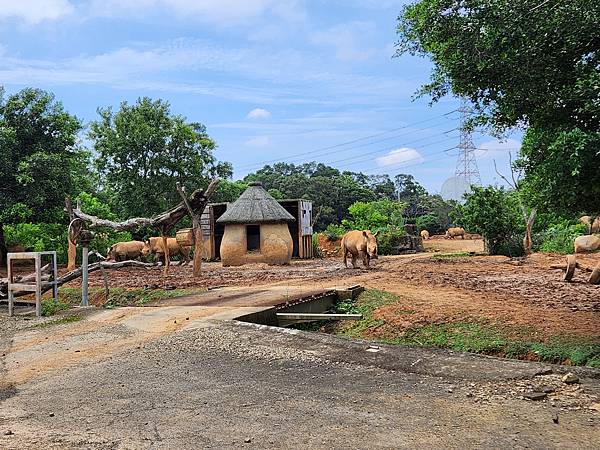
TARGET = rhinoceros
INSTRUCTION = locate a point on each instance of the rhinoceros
(424, 234)
(592, 224)
(587, 243)
(154, 246)
(123, 251)
(452, 232)
(361, 244)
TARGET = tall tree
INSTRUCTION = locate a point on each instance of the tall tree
(531, 64)
(40, 162)
(144, 150)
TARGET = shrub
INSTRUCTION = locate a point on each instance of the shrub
(492, 212)
(315, 244)
(431, 223)
(389, 240)
(558, 238)
(334, 231)
(375, 216)
(39, 237)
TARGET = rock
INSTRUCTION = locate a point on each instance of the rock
(51, 414)
(247, 440)
(555, 418)
(542, 372)
(548, 389)
(8, 433)
(536, 396)
(570, 378)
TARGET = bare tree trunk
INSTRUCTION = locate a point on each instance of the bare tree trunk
(72, 250)
(198, 250)
(167, 254)
(3, 248)
(529, 221)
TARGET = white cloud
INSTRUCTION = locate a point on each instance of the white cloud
(35, 11)
(214, 12)
(491, 149)
(399, 156)
(258, 114)
(258, 141)
(350, 41)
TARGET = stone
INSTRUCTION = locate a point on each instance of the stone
(8, 433)
(535, 396)
(570, 378)
(247, 440)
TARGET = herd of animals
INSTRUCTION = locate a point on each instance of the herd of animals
(356, 244)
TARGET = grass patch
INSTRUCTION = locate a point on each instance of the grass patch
(61, 321)
(50, 307)
(452, 255)
(475, 336)
(68, 297)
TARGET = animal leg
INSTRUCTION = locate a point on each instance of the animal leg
(354, 258)
(366, 260)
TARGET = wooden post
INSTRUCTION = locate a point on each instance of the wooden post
(166, 252)
(38, 285)
(197, 231)
(72, 251)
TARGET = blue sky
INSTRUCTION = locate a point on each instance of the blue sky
(272, 80)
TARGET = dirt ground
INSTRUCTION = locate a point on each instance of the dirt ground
(181, 375)
(520, 292)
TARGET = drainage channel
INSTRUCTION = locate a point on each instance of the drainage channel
(305, 309)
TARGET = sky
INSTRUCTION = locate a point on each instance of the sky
(272, 80)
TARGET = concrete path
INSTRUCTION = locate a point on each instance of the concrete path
(179, 376)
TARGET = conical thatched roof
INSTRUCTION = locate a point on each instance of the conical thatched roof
(255, 205)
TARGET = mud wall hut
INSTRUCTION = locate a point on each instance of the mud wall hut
(300, 229)
(256, 230)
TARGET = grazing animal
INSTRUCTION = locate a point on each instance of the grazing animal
(155, 247)
(451, 233)
(592, 224)
(424, 234)
(361, 244)
(587, 243)
(124, 251)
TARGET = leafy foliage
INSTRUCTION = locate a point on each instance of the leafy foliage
(493, 213)
(375, 216)
(40, 162)
(527, 64)
(144, 150)
(559, 238)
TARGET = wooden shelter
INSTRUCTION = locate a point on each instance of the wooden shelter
(300, 229)
(256, 230)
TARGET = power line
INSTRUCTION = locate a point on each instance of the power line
(342, 144)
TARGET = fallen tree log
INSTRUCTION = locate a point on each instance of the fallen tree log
(163, 221)
(74, 274)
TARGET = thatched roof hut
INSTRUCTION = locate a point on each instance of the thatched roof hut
(256, 230)
(255, 206)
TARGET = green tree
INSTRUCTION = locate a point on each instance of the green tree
(409, 191)
(144, 150)
(228, 191)
(40, 161)
(493, 213)
(531, 64)
(380, 215)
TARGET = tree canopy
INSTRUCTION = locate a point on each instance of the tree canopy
(531, 64)
(144, 150)
(40, 162)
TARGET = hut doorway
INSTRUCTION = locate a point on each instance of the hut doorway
(253, 238)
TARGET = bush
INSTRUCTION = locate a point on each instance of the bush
(430, 223)
(388, 241)
(558, 238)
(334, 231)
(39, 237)
(375, 216)
(317, 253)
(492, 212)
